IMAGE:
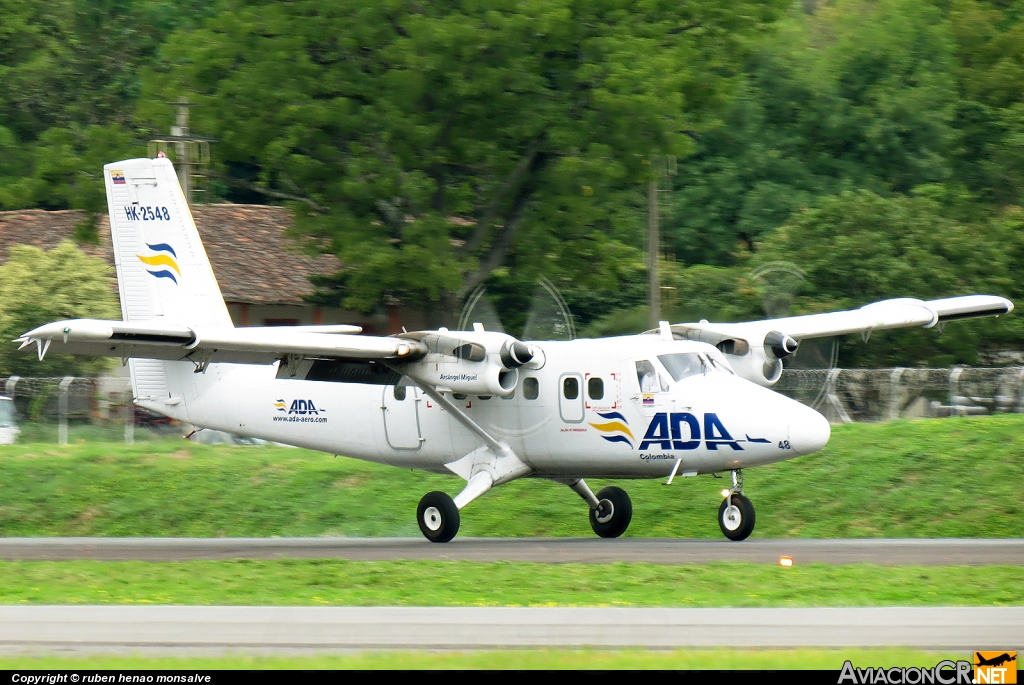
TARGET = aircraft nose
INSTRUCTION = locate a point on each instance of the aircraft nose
(809, 431)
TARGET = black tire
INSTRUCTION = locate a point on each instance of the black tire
(438, 517)
(739, 523)
(612, 518)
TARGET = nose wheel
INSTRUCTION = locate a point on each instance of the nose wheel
(736, 517)
(438, 517)
(613, 513)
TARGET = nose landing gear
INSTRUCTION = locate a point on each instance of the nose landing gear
(736, 513)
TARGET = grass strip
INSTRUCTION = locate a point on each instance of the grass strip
(312, 582)
(956, 477)
(604, 659)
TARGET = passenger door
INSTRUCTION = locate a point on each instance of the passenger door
(400, 405)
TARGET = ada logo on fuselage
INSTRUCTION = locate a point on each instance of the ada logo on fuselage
(682, 431)
(300, 411)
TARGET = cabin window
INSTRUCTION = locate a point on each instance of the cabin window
(595, 388)
(459, 395)
(571, 388)
(483, 397)
(400, 392)
(531, 388)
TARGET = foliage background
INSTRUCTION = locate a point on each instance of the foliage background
(875, 146)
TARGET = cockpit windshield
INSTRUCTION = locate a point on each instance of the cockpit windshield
(685, 364)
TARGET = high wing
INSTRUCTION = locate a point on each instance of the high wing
(756, 348)
(877, 316)
(170, 341)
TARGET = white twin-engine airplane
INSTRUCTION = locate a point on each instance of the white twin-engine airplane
(682, 400)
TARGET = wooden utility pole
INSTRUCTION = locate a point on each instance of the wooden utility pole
(660, 168)
(181, 151)
(191, 153)
(653, 248)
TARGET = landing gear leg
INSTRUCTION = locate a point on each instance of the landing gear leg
(736, 513)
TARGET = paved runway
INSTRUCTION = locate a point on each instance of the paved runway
(195, 630)
(924, 552)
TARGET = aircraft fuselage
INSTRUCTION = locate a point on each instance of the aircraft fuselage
(584, 413)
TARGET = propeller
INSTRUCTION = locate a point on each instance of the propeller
(548, 316)
(778, 283)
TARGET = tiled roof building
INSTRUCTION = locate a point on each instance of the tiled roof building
(262, 273)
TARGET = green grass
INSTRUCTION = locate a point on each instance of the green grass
(48, 432)
(958, 477)
(305, 582)
(693, 659)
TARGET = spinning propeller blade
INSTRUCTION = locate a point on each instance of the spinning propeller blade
(548, 316)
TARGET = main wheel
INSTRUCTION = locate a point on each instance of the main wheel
(438, 517)
(737, 519)
(613, 514)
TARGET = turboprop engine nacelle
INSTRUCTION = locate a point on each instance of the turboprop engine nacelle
(477, 363)
(762, 363)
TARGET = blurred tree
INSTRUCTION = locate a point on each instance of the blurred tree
(37, 287)
(428, 145)
(989, 156)
(859, 247)
(855, 95)
(69, 84)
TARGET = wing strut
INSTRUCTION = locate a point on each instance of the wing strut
(493, 463)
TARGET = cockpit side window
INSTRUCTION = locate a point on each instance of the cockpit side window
(719, 362)
(647, 376)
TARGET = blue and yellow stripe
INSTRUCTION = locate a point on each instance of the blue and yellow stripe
(165, 257)
(615, 428)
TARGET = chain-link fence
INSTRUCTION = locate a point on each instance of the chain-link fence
(845, 395)
(73, 409)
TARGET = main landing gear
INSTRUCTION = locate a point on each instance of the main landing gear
(613, 513)
(610, 510)
(438, 517)
(736, 513)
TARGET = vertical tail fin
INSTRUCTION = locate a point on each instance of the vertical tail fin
(162, 268)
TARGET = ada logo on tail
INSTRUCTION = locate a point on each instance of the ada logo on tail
(667, 432)
(163, 261)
